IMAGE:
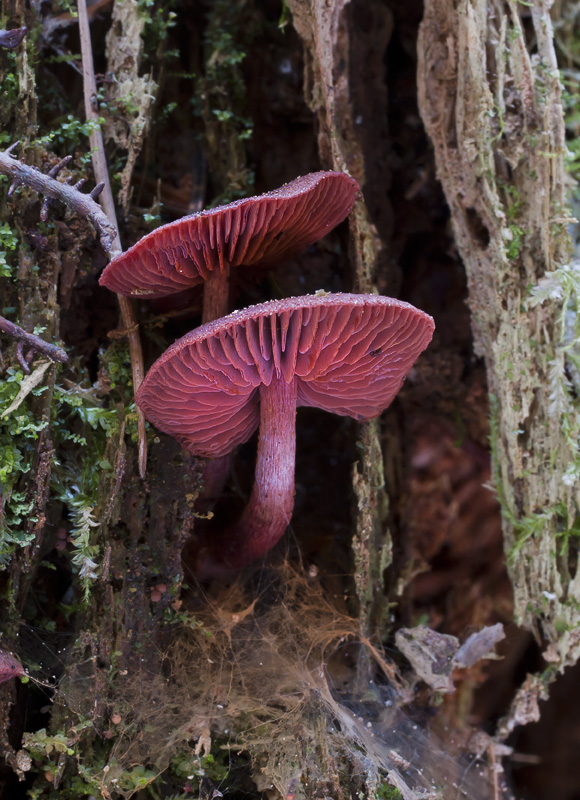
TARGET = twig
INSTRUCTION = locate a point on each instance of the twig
(35, 342)
(82, 204)
(493, 768)
(22, 358)
(102, 174)
(11, 39)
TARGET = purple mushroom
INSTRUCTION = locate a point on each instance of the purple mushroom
(203, 247)
(9, 667)
(345, 353)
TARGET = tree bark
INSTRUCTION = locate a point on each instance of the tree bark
(293, 685)
(495, 118)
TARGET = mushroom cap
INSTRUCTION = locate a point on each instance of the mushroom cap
(349, 353)
(9, 667)
(264, 229)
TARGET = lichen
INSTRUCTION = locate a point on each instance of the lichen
(506, 171)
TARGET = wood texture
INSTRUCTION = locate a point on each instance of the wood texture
(325, 32)
(495, 117)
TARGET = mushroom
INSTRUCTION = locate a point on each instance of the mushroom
(9, 667)
(203, 247)
(344, 353)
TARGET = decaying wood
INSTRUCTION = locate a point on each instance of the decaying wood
(126, 569)
(485, 151)
(326, 34)
(38, 278)
(495, 118)
(102, 172)
(124, 53)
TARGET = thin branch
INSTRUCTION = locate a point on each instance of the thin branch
(102, 174)
(11, 39)
(23, 359)
(34, 342)
(82, 204)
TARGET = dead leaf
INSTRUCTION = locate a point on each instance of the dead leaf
(478, 646)
(29, 383)
(431, 655)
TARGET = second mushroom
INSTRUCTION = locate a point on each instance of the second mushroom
(202, 248)
(344, 353)
(263, 230)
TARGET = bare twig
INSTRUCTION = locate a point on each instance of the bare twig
(34, 342)
(493, 766)
(11, 39)
(102, 174)
(23, 359)
(82, 204)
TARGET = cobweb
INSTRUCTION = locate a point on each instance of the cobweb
(277, 678)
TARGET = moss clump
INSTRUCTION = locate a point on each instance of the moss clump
(388, 792)
(230, 30)
(8, 244)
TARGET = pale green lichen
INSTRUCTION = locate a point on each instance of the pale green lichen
(562, 286)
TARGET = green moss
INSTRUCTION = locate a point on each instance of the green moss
(82, 427)
(570, 530)
(561, 626)
(69, 134)
(159, 19)
(8, 87)
(387, 792)
(214, 767)
(514, 206)
(515, 242)
(533, 526)
(19, 430)
(571, 103)
(8, 243)
(231, 27)
(60, 755)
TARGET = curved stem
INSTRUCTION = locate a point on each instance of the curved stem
(215, 475)
(216, 295)
(271, 503)
(215, 305)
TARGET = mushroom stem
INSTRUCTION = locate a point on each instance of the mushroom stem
(216, 294)
(215, 475)
(271, 503)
